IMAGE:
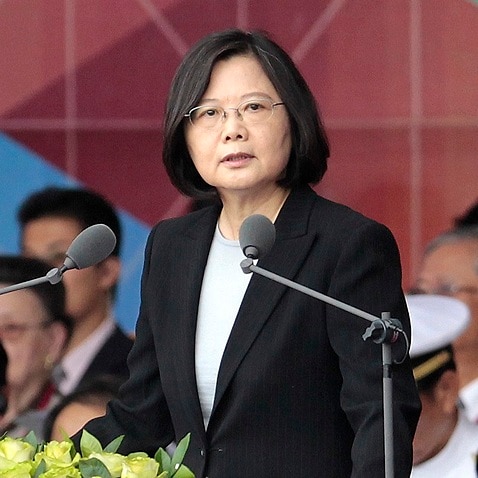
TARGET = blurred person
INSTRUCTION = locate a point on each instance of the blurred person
(74, 410)
(450, 267)
(50, 219)
(34, 332)
(445, 442)
(268, 381)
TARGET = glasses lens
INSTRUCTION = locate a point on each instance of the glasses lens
(256, 111)
(206, 116)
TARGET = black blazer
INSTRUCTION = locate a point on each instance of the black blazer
(299, 393)
(110, 359)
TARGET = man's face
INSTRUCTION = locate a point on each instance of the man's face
(451, 269)
(48, 238)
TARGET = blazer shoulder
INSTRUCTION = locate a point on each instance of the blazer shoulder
(338, 218)
(187, 224)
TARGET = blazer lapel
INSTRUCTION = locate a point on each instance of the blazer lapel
(285, 258)
(192, 252)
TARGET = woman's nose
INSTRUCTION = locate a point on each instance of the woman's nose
(233, 127)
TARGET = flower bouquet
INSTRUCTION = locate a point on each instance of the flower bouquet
(26, 458)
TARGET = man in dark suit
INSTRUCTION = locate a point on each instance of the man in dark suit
(50, 219)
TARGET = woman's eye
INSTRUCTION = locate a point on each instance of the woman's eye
(254, 106)
(211, 112)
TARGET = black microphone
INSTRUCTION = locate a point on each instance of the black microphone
(256, 236)
(92, 245)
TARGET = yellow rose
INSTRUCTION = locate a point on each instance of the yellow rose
(61, 472)
(139, 467)
(19, 470)
(57, 455)
(112, 461)
(16, 450)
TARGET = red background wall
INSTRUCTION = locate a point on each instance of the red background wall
(83, 83)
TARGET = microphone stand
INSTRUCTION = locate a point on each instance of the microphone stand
(383, 330)
(53, 277)
(90, 246)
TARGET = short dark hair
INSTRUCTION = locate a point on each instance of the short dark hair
(16, 269)
(310, 149)
(80, 204)
(469, 217)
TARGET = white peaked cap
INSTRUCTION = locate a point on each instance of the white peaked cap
(436, 322)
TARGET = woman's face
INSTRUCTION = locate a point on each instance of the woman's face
(239, 156)
(26, 336)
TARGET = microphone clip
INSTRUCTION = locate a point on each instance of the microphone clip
(55, 275)
(246, 265)
(383, 331)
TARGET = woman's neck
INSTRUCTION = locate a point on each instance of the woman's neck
(236, 209)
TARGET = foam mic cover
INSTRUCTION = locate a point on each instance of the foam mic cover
(91, 246)
(256, 236)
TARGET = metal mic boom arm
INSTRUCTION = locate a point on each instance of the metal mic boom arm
(53, 277)
(383, 330)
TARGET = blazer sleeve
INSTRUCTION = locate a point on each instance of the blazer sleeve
(368, 275)
(140, 413)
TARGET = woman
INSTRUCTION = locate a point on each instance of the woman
(33, 332)
(269, 382)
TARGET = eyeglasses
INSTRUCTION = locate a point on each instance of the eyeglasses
(253, 111)
(13, 331)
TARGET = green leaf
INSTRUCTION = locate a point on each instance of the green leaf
(183, 472)
(163, 459)
(41, 469)
(72, 449)
(89, 444)
(179, 453)
(113, 446)
(31, 439)
(93, 468)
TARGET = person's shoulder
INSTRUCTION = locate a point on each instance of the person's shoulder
(335, 215)
(120, 338)
(187, 222)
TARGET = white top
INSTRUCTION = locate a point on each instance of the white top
(77, 361)
(223, 288)
(457, 459)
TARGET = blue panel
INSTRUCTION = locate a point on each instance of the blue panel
(23, 172)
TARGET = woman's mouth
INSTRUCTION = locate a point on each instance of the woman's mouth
(236, 158)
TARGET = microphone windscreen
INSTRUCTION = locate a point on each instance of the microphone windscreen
(257, 233)
(91, 246)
